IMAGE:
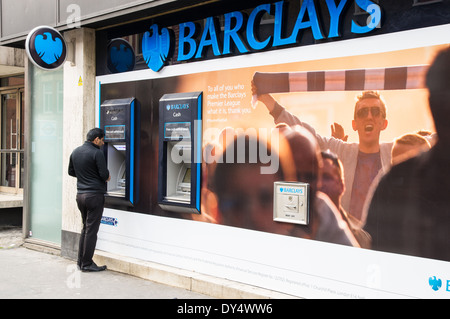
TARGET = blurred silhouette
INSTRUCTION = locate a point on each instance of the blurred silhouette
(410, 209)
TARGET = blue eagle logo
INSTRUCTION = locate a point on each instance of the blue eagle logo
(121, 57)
(156, 47)
(435, 283)
(48, 49)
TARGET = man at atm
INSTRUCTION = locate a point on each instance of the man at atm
(87, 163)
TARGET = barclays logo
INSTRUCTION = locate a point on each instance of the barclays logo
(49, 48)
(109, 221)
(46, 48)
(437, 283)
(156, 47)
(121, 56)
(240, 33)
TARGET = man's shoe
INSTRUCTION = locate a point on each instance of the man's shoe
(93, 268)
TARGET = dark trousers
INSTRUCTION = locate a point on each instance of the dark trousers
(91, 208)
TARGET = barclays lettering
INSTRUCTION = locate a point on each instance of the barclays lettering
(299, 191)
(184, 106)
(241, 32)
(235, 24)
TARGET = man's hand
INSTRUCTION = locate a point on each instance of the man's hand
(267, 99)
(337, 131)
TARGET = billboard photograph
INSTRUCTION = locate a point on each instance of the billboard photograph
(315, 151)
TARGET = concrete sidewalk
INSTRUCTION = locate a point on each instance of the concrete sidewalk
(30, 274)
(35, 272)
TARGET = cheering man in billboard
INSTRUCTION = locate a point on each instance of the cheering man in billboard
(362, 161)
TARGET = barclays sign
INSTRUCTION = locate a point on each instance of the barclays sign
(436, 284)
(46, 48)
(241, 32)
(156, 47)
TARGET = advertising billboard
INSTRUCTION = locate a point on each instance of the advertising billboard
(285, 116)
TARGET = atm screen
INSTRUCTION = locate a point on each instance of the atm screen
(115, 132)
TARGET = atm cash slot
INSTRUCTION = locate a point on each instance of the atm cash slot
(179, 172)
(118, 169)
(118, 189)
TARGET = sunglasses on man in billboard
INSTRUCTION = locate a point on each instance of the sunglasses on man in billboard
(364, 112)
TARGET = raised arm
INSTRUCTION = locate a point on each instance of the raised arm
(278, 112)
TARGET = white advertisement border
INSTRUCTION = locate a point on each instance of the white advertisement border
(304, 268)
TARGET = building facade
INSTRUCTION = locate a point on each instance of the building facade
(166, 79)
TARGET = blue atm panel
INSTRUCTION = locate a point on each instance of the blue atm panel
(118, 120)
(180, 152)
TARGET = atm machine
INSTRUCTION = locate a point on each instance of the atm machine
(118, 120)
(180, 152)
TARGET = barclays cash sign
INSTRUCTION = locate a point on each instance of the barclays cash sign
(240, 33)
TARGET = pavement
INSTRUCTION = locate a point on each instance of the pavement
(29, 274)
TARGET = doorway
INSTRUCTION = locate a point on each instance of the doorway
(12, 141)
